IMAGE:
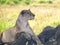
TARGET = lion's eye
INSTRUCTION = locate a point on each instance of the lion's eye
(27, 12)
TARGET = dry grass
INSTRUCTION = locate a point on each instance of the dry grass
(45, 15)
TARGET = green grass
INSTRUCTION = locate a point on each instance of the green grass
(7, 22)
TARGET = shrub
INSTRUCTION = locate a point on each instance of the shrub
(10, 1)
(2, 1)
(45, 1)
(27, 2)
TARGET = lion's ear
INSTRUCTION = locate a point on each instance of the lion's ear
(29, 9)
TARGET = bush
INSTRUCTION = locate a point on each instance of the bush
(10, 1)
(2, 1)
(49, 1)
(45, 1)
(42, 2)
(23, 1)
(27, 2)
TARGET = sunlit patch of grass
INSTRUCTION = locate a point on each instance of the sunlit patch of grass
(46, 21)
(46, 17)
(2, 25)
(8, 22)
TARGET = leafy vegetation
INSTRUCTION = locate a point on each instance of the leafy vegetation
(47, 1)
(12, 2)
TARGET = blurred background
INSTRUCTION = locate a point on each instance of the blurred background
(47, 13)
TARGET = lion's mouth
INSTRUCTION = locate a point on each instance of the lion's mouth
(32, 18)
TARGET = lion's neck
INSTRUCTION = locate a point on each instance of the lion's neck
(21, 22)
(23, 26)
